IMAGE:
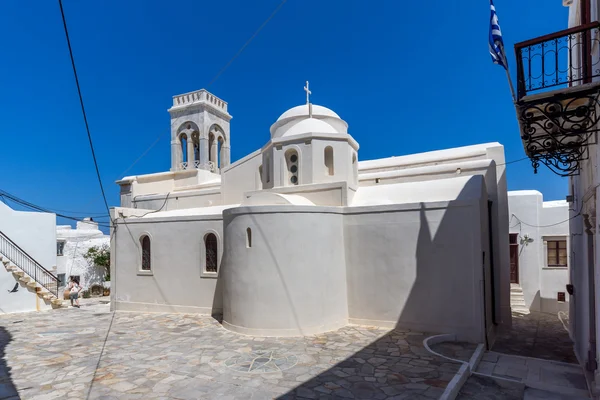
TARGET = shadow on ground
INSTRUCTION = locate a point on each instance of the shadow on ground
(7, 388)
(396, 364)
(537, 335)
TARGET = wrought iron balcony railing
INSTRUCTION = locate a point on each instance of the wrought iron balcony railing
(558, 97)
(557, 60)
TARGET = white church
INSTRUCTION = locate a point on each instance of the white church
(300, 237)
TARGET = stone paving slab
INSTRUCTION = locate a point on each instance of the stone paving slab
(484, 388)
(537, 335)
(72, 353)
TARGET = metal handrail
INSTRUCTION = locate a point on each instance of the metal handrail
(28, 264)
(561, 58)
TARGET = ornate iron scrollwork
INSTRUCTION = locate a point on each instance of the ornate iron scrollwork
(557, 130)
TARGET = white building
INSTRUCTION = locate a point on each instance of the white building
(72, 245)
(558, 85)
(299, 237)
(28, 256)
(539, 252)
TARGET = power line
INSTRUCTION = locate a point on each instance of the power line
(221, 71)
(545, 226)
(87, 127)
(17, 200)
(246, 44)
(513, 161)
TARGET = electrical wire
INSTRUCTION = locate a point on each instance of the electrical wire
(545, 226)
(246, 44)
(85, 120)
(513, 161)
(34, 207)
(153, 211)
(221, 71)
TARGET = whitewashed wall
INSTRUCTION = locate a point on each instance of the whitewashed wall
(35, 233)
(529, 218)
(77, 243)
(176, 282)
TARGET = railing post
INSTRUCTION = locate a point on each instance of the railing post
(520, 74)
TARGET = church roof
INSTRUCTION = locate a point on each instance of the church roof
(303, 110)
(310, 125)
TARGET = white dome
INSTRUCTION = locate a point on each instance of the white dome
(303, 110)
(310, 125)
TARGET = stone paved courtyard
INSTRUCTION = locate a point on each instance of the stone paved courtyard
(64, 354)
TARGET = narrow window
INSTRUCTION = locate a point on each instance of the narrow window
(183, 140)
(210, 244)
(561, 297)
(146, 264)
(329, 159)
(557, 253)
(248, 237)
(220, 151)
(211, 153)
(62, 279)
(196, 147)
(291, 159)
(60, 248)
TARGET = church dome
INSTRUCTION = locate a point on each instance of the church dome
(323, 120)
(310, 125)
(303, 111)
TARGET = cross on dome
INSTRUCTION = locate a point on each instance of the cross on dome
(308, 93)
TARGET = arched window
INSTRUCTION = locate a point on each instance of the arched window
(292, 162)
(220, 151)
(183, 139)
(329, 159)
(211, 152)
(196, 142)
(211, 246)
(248, 237)
(146, 255)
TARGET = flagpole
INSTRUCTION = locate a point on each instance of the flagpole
(512, 89)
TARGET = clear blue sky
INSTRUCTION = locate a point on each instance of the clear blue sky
(407, 77)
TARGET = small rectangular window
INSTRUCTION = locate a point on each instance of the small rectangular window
(60, 248)
(561, 297)
(557, 253)
(61, 280)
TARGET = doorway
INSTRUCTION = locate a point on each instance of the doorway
(514, 258)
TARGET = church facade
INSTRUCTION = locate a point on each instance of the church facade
(300, 237)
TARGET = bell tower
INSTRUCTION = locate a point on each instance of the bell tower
(199, 132)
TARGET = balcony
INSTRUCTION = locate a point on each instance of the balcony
(558, 88)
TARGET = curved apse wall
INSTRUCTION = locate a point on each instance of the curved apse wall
(292, 280)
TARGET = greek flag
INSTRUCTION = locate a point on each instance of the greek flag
(496, 43)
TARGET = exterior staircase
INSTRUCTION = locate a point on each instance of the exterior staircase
(29, 272)
(517, 299)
